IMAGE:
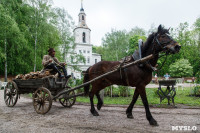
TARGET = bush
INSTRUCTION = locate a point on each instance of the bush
(181, 68)
(196, 91)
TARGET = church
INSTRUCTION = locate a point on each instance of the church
(83, 47)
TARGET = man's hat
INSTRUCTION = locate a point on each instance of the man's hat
(51, 50)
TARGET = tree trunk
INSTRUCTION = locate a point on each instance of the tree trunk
(36, 26)
(35, 51)
(5, 62)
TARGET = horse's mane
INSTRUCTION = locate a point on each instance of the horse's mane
(147, 44)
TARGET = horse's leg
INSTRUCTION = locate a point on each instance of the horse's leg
(130, 107)
(142, 93)
(100, 102)
(92, 110)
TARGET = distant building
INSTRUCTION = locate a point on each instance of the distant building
(83, 46)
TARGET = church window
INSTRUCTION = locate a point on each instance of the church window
(84, 51)
(80, 51)
(84, 41)
(88, 52)
(82, 17)
(95, 60)
(88, 60)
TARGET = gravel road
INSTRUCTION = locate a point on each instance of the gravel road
(112, 119)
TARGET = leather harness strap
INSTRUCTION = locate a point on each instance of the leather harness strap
(123, 73)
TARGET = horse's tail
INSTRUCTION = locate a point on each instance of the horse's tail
(86, 79)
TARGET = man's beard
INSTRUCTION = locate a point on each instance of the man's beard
(52, 55)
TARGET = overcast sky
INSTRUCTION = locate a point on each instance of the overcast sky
(103, 15)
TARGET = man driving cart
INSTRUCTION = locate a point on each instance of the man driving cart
(51, 62)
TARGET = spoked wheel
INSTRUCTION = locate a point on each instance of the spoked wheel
(42, 100)
(11, 94)
(68, 100)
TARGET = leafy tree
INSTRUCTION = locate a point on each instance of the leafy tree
(133, 43)
(181, 68)
(196, 50)
(137, 31)
(23, 25)
(13, 41)
(115, 45)
(65, 25)
(182, 35)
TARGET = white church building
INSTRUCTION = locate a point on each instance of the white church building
(83, 47)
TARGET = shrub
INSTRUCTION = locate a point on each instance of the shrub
(196, 91)
(181, 68)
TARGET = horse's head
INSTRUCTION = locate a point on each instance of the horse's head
(164, 42)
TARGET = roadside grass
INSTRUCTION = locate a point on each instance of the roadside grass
(182, 97)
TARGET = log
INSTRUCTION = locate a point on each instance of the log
(105, 74)
(33, 75)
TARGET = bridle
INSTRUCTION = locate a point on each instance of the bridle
(162, 46)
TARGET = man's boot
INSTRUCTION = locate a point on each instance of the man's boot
(65, 73)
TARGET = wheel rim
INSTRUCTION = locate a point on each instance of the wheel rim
(68, 102)
(11, 94)
(42, 100)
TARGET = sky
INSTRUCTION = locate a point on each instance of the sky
(104, 15)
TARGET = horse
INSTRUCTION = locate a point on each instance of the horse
(138, 75)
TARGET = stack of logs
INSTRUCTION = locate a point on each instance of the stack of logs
(33, 75)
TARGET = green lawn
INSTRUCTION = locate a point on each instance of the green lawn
(182, 97)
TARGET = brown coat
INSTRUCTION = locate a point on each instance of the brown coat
(47, 58)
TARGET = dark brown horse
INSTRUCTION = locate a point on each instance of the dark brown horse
(136, 75)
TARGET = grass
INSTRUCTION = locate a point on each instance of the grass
(182, 97)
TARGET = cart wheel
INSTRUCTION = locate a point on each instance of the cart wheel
(11, 94)
(42, 100)
(68, 102)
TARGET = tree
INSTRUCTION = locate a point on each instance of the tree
(115, 45)
(181, 68)
(21, 34)
(133, 43)
(137, 31)
(183, 36)
(196, 52)
(13, 40)
(65, 25)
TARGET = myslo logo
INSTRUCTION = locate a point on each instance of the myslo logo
(184, 128)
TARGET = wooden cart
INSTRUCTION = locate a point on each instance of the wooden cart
(43, 91)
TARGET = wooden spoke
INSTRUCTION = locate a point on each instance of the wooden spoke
(68, 102)
(42, 100)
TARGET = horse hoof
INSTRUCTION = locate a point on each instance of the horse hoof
(99, 106)
(130, 116)
(153, 122)
(95, 113)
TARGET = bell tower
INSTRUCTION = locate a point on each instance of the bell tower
(82, 32)
(82, 47)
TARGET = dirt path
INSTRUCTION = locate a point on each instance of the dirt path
(23, 118)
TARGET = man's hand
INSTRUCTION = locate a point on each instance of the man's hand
(50, 61)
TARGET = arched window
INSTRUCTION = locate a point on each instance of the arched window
(84, 41)
(88, 60)
(82, 17)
